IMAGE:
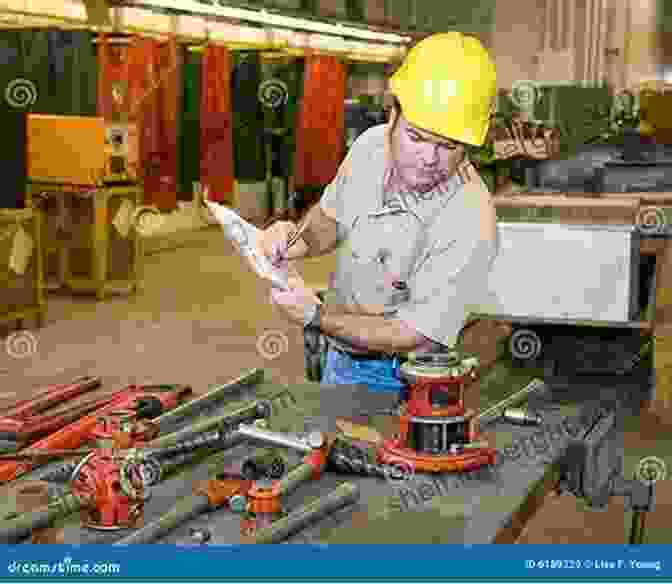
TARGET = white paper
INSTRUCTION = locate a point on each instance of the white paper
(244, 237)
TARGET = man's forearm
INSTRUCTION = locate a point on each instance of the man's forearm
(370, 333)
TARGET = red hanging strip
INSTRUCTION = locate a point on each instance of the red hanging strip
(112, 99)
(320, 132)
(216, 125)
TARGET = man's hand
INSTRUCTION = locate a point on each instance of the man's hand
(273, 243)
(295, 303)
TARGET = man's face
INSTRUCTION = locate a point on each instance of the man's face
(422, 159)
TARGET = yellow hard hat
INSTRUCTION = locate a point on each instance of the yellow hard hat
(447, 85)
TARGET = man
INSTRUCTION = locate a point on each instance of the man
(417, 223)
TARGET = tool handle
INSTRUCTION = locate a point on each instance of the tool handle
(186, 509)
(19, 528)
(496, 410)
(342, 496)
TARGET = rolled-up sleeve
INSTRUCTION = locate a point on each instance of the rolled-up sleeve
(333, 198)
(450, 282)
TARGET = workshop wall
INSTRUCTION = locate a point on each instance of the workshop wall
(190, 138)
(44, 72)
(577, 40)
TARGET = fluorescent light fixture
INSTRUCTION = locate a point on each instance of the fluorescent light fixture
(63, 9)
(237, 34)
(145, 20)
(213, 8)
(192, 26)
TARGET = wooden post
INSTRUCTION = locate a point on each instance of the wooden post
(661, 401)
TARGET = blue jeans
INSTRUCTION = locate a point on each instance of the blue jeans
(378, 375)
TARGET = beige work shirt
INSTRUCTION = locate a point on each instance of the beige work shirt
(440, 245)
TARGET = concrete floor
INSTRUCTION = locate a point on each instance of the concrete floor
(202, 319)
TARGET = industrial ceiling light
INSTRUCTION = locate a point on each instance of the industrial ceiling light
(214, 8)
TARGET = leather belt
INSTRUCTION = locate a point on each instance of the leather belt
(367, 356)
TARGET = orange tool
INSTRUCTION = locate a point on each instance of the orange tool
(139, 400)
(22, 422)
(437, 433)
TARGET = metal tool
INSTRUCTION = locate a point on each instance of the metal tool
(592, 469)
(207, 496)
(9, 446)
(522, 417)
(212, 397)
(243, 414)
(301, 443)
(200, 534)
(23, 423)
(134, 470)
(265, 463)
(342, 496)
(346, 458)
(434, 418)
(258, 500)
(50, 396)
(495, 412)
(17, 529)
(136, 400)
(110, 485)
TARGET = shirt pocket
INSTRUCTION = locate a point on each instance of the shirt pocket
(382, 251)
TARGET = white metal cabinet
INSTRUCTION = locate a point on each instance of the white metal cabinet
(569, 272)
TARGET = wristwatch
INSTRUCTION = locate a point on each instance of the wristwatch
(313, 317)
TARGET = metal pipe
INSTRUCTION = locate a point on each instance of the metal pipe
(295, 478)
(207, 440)
(342, 496)
(495, 410)
(19, 528)
(186, 509)
(246, 413)
(216, 394)
(313, 440)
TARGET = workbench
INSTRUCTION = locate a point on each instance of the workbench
(482, 506)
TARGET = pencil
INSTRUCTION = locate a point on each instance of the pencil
(297, 234)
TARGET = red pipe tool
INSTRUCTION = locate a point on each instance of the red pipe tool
(137, 402)
(437, 433)
(24, 422)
